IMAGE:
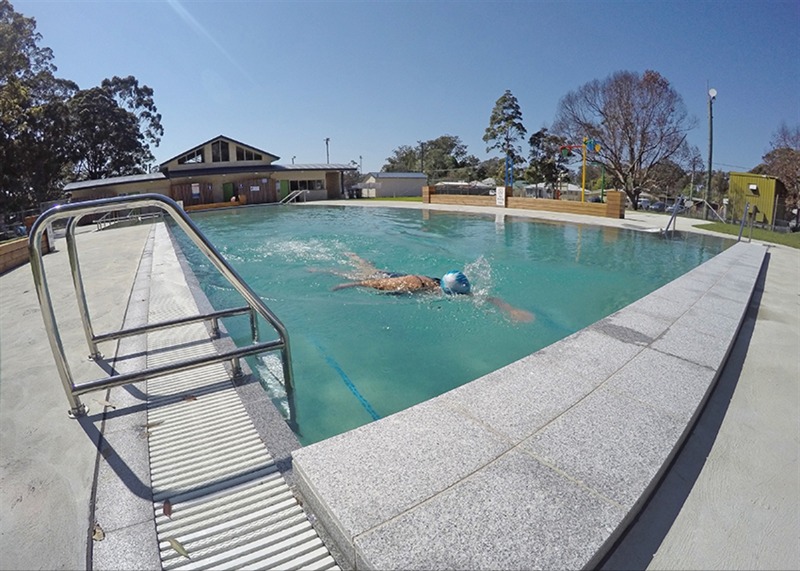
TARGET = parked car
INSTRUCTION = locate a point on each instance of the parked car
(658, 207)
(644, 203)
(680, 207)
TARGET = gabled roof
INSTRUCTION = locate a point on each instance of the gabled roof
(217, 138)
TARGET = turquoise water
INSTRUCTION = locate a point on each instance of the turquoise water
(360, 354)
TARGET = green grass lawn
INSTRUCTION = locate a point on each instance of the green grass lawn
(787, 239)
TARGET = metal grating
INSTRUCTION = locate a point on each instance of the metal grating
(219, 500)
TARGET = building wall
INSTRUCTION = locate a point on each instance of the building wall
(391, 187)
(768, 209)
(614, 207)
(274, 186)
(175, 166)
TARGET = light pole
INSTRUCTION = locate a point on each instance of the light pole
(712, 94)
(327, 152)
(293, 158)
(360, 164)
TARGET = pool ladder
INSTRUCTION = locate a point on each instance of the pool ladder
(74, 213)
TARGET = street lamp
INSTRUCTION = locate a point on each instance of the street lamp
(327, 153)
(712, 94)
(293, 158)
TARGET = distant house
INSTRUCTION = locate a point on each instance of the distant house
(765, 193)
(391, 184)
(219, 170)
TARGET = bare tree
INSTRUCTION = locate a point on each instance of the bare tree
(639, 121)
(783, 159)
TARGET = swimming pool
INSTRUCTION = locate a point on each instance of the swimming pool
(360, 354)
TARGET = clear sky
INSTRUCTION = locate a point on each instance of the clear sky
(372, 76)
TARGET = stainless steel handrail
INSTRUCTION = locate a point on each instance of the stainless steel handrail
(292, 197)
(74, 213)
(114, 217)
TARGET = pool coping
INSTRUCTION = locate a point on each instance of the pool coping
(481, 478)
(725, 513)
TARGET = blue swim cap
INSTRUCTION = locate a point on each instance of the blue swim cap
(455, 282)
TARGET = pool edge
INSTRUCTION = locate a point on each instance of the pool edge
(366, 534)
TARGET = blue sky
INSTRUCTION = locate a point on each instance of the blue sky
(371, 76)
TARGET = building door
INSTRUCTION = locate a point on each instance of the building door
(192, 193)
(257, 190)
(227, 191)
(332, 185)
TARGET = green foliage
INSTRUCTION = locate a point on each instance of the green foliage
(34, 127)
(51, 132)
(546, 163)
(443, 158)
(506, 128)
(113, 125)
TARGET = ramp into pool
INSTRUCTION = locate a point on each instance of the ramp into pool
(544, 463)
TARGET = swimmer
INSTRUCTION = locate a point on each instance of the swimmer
(452, 283)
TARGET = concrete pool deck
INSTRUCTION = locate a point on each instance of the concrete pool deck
(736, 509)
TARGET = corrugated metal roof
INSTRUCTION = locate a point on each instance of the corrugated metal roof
(398, 175)
(205, 170)
(317, 167)
(134, 178)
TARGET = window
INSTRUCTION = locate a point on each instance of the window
(195, 156)
(306, 185)
(220, 152)
(246, 155)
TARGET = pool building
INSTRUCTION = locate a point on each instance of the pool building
(216, 171)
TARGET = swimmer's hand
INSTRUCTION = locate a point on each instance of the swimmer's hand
(521, 315)
(514, 313)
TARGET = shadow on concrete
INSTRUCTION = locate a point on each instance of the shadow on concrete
(115, 460)
(639, 543)
(122, 411)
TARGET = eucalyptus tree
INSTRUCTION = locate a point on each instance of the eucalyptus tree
(639, 121)
(505, 129)
(113, 127)
(405, 158)
(51, 132)
(545, 161)
(444, 157)
(34, 126)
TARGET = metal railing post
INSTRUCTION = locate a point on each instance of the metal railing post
(74, 212)
(741, 224)
(80, 292)
(77, 408)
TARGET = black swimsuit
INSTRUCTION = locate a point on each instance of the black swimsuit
(398, 275)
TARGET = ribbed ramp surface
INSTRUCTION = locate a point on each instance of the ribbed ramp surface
(219, 500)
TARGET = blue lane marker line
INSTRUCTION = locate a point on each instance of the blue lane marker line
(335, 366)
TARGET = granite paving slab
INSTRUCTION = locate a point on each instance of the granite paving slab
(543, 463)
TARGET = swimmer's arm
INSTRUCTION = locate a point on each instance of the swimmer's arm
(514, 313)
(347, 285)
(363, 266)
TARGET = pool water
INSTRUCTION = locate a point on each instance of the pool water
(361, 354)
